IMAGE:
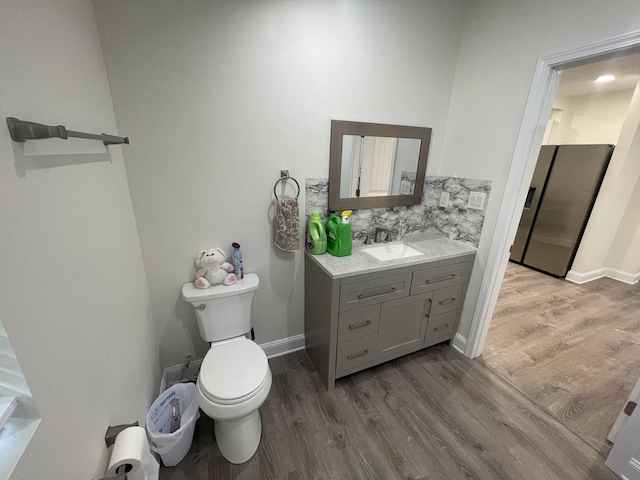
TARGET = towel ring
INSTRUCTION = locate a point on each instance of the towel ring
(284, 179)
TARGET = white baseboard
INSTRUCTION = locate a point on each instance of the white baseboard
(459, 343)
(283, 346)
(174, 374)
(612, 273)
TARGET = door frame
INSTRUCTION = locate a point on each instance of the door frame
(537, 110)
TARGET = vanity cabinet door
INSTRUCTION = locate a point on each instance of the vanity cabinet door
(403, 323)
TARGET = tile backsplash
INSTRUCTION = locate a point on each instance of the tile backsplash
(456, 221)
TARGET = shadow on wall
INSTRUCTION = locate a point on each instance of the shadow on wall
(286, 273)
(180, 331)
(23, 160)
(456, 221)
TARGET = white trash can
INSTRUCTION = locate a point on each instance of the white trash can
(177, 401)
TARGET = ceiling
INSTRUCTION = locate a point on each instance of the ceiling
(579, 80)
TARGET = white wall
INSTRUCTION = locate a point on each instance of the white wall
(611, 236)
(624, 254)
(219, 96)
(501, 43)
(595, 118)
(74, 298)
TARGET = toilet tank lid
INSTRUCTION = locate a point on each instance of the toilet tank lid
(191, 293)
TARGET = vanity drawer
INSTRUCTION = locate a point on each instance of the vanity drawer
(356, 352)
(441, 326)
(427, 280)
(446, 300)
(361, 294)
(358, 323)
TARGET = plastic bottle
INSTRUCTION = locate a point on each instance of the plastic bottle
(316, 235)
(332, 234)
(346, 240)
(236, 255)
(339, 243)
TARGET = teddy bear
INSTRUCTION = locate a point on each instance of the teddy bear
(213, 268)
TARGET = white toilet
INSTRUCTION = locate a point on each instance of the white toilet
(235, 377)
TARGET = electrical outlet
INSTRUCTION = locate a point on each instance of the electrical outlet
(444, 199)
(476, 200)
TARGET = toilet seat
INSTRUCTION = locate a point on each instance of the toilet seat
(232, 372)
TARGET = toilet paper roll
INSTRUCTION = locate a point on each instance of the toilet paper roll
(131, 455)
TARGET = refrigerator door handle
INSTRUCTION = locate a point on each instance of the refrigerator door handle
(530, 194)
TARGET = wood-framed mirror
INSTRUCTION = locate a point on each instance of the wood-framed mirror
(375, 165)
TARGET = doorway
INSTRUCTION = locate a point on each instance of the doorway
(536, 113)
(596, 111)
(572, 349)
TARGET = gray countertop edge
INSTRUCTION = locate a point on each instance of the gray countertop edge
(434, 247)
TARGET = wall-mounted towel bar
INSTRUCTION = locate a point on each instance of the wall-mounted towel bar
(21, 130)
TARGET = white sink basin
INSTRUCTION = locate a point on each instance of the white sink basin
(392, 251)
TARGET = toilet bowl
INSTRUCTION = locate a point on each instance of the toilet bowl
(235, 378)
(234, 382)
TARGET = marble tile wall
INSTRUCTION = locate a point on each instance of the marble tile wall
(456, 221)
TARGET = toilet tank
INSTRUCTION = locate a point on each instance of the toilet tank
(223, 311)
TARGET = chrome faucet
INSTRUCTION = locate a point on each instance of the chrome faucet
(378, 235)
(402, 229)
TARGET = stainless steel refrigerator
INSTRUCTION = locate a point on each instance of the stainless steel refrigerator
(563, 190)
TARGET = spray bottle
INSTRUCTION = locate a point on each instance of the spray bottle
(236, 255)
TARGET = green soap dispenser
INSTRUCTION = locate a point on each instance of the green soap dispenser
(339, 243)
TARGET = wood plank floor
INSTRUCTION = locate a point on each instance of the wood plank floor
(433, 414)
(573, 349)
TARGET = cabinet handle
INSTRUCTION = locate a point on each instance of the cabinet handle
(443, 327)
(356, 355)
(447, 300)
(362, 296)
(359, 325)
(441, 279)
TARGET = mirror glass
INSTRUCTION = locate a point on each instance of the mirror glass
(376, 165)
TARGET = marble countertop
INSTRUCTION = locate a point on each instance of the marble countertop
(433, 246)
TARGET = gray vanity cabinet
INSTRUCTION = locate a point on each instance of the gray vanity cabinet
(359, 321)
